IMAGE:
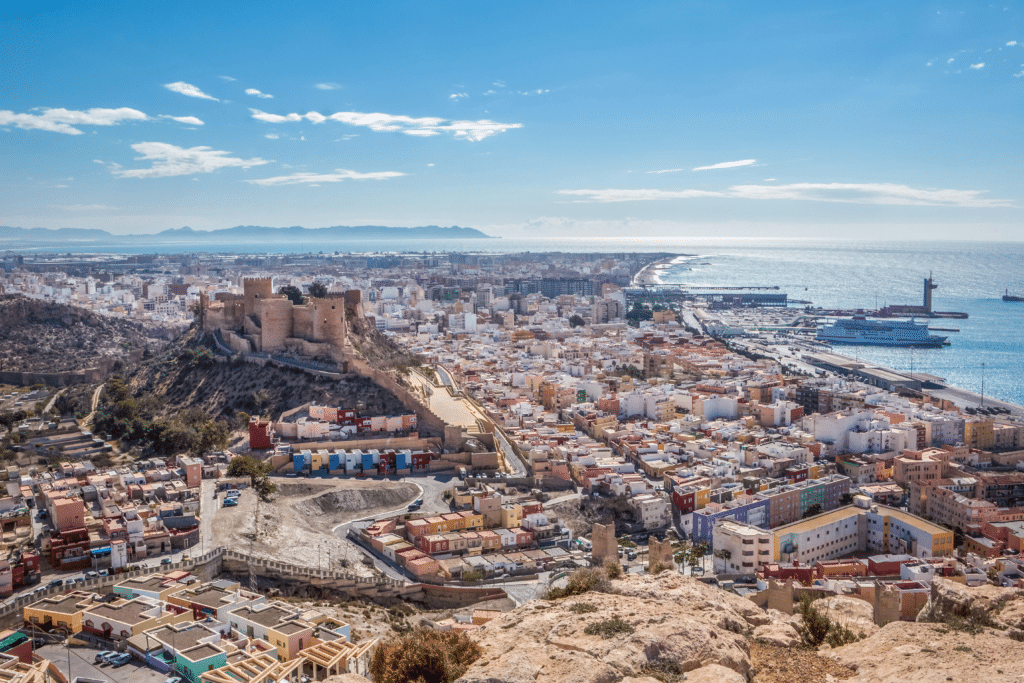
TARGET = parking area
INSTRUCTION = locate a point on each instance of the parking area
(82, 666)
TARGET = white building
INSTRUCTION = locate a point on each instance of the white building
(740, 548)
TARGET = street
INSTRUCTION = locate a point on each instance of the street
(80, 662)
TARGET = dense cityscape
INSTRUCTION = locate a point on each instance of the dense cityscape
(540, 416)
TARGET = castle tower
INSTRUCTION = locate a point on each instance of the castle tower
(275, 316)
(328, 320)
(256, 289)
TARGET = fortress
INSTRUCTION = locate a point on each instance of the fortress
(260, 320)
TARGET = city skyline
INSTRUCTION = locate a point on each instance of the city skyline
(669, 120)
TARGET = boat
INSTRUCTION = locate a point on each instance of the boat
(1012, 297)
(859, 330)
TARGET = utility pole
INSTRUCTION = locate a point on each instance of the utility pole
(252, 543)
(982, 385)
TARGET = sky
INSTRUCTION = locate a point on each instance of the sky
(872, 120)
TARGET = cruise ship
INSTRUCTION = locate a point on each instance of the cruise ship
(879, 333)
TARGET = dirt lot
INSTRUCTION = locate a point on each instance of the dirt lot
(296, 526)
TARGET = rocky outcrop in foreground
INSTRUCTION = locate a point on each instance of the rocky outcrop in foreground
(670, 628)
(663, 625)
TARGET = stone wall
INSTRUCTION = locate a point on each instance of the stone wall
(605, 547)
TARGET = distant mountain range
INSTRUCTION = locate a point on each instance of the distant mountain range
(23, 237)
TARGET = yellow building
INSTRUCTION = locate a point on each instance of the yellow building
(511, 516)
(978, 433)
(60, 611)
(701, 498)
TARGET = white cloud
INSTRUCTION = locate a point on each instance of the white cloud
(888, 194)
(257, 93)
(727, 164)
(928, 64)
(1011, 43)
(271, 136)
(950, 60)
(227, 78)
(607, 196)
(669, 170)
(65, 120)
(421, 127)
(189, 90)
(338, 176)
(498, 84)
(490, 92)
(171, 160)
(87, 207)
(184, 119)
(457, 95)
(327, 86)
(980, 65)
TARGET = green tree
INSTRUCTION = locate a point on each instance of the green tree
(576, 320)
(293, 293)
(813, 510)
(257, 471)
(242, 419)
(846, 499)
(318, 290)
(212, 436)
(638, 313)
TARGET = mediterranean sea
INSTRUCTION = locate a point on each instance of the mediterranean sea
(971, 276)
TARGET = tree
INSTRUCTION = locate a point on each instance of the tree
(424, 655)
(257, 471)
(638, 313)
(815, 509)
(293, 293)
(577, 320)
(958, 537)
(318, 290)
(242, 419)
(846, 499)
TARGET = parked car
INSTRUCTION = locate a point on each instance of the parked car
(173, 679)
(79, 579)
(166, 560)
(91, 575)
(55, 583)
(104, 572)
(121, 659)
(102, 657)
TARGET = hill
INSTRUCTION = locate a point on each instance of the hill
(13, 236)
(42, 336)
(184, 377)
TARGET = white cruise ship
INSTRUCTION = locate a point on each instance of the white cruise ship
(879, 333)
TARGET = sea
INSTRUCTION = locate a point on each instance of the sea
(985, 355)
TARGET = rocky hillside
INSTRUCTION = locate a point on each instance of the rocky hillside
(185, 376)
(670, 628)
(42, 336)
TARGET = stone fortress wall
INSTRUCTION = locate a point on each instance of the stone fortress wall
(259, 320)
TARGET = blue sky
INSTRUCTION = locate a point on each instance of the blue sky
(865, 119)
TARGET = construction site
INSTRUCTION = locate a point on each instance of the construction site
(298, 525)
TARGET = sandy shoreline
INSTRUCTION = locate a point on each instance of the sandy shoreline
(650, 275)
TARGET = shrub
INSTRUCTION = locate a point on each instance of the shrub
(817, 628)
(658, 567)
(582, 581)
(608, 628)
(582, 608)
(613, 569)
(424, 655)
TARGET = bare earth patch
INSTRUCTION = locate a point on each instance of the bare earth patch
(297, 525)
